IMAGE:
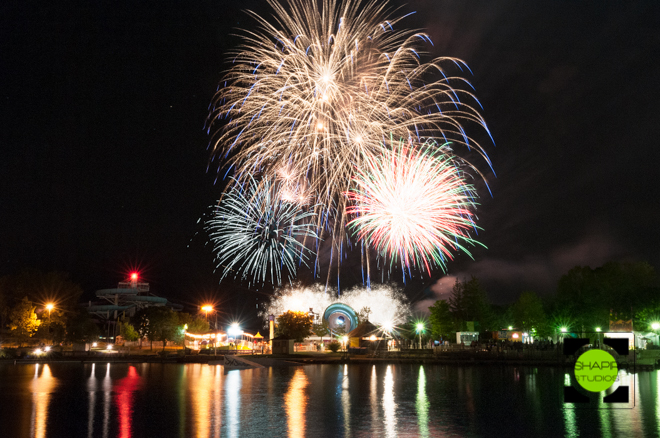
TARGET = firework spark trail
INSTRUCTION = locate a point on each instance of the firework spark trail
(413, 204)
(388, 305)
(254, 232)
(319, 91)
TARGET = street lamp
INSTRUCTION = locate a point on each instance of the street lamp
(420, 329)
(235, 330)
(206, 309)
(49, 307)
(655, 326)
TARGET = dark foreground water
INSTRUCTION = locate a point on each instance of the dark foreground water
(168, 400)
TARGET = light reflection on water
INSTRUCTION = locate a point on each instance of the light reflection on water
(296, 403)
(389, 405)
(233, 404)
(203, 401)
(422, 404)
(42, 386)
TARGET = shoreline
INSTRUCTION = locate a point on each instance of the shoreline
(302, 360)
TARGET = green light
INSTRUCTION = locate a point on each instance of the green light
(597, 329)
(563, 329)
(510, 327)
(655, 326)
(420, 326)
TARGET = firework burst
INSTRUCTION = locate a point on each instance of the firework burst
(256, 234)
(412, 203)
(318, 92)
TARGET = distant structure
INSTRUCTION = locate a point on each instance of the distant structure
(123, 301)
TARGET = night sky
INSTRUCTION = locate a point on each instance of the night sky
(104, 157)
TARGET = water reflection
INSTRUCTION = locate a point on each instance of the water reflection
(125, 389)
(91, 391)
(389, 405)
(569, 413)
(422, 404)
(373, 396)
(656, 382)
(295, 401)
(42, 387)
(233, 405)
(107, 399)
(199, 379)
(329, 400)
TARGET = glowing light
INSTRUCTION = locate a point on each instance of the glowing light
(597, 329)
(387, 326)
(95, 344)
(47, 349)
(134, 276)
(387, 304)
(235, 330)
(515, 336)
(510, 327)
(412, 203)
(255, 233)
(655, 326)
(563, 329)
(38, 351)
(372, 338)
(109, 347)
(273, 110)
(49, 307)
(419, 327)
(207, 308)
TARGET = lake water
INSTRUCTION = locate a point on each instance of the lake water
(195, 400)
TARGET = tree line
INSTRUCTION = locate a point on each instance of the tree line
(585, 299)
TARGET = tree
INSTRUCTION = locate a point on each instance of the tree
(23, 322)
(321, 329)
(81, 328)
(141, 324)
(41, 288)
(196, 324)
(128, 332)
(588, 296)
(294, 325)
(528, 314)
(441, 319)
(162, 324)
(469, 302)
(363, 314)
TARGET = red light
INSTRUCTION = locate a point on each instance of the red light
(134, 276)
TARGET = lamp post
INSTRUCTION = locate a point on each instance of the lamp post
(271, 332)
(420, 329)
(49, 307)
(235, 330)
